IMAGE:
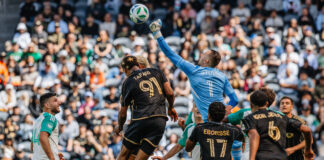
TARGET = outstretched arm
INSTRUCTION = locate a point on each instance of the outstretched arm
(175, 58)
(229, 91)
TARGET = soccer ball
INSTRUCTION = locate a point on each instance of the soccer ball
(139, 13)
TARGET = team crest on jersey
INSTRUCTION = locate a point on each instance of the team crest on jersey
(289, 135)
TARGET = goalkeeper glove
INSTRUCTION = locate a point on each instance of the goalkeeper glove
(155, 27)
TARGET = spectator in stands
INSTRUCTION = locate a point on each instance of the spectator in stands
(57, 22)
(274, 5)
(46, 78)
(310, 118)
(8, 149)
(309, 56)
(40, 36)
(96, 8)
(320, 20)
(103, 47)
(108, 25)
(57, 37)
(259, 12)
(306, 19)
(291, 8)
(242, 12)
(97, 77)
(15, 52)
(207, 9)
(308, 38)
(79, 76)
(22, 37)
(253, 81)
(188, 11)
(305, 84)
(182, 85)
(290, 53)
(288, 85)
(319, 90)
(29, 77)
(274, 21)
(28, 9)
(207, 25)
(8, 98)
(90, 28)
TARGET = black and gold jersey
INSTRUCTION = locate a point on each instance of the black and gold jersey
(143, 91)
(216, 139)
(294, 137)
(271, 127)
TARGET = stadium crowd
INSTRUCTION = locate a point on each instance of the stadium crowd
(74, 47)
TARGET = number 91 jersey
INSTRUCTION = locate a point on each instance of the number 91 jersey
(143, 92)
(271, 127)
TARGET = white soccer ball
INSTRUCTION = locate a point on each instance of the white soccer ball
(139, 13)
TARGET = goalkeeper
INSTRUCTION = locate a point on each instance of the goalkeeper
(208, 84)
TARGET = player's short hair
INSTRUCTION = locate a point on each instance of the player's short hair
(286, 97)
(214, 58)
(217, 111)
(142, 61)
(259, 98)
(128, 62)
(45, 97)
(270, 94)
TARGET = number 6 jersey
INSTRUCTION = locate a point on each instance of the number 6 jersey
(215, 140)
(271, 127)
(143, 91)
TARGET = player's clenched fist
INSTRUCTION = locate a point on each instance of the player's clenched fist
(61, 156)
(155, 27)
(309, 154)
(173, 114)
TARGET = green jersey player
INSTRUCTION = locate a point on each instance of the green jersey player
(45, 130)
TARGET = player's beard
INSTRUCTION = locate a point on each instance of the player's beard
(56, 110)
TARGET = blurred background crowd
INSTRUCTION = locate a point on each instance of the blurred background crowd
(73, 48)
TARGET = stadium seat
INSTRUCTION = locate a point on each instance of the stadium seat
(173, 41)
(113, 82)
(182, 111)
(178, 131)
(159, 13)
(181, 101)
(274, 86)
(123, 41)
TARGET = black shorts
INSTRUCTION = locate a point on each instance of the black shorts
(144, 134)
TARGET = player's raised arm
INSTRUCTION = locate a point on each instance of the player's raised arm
(177, 60)
(229, 91)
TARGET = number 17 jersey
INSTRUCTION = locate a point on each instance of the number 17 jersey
(215, 140)
(271, 127)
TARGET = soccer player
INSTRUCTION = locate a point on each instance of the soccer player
(214, 137)
(208, 83)
(44, 141)
(294, 139)
(145, 91)
(267, 131)
(182, 142)
(236, 119)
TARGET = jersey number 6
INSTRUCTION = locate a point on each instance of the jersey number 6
(273, 131)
